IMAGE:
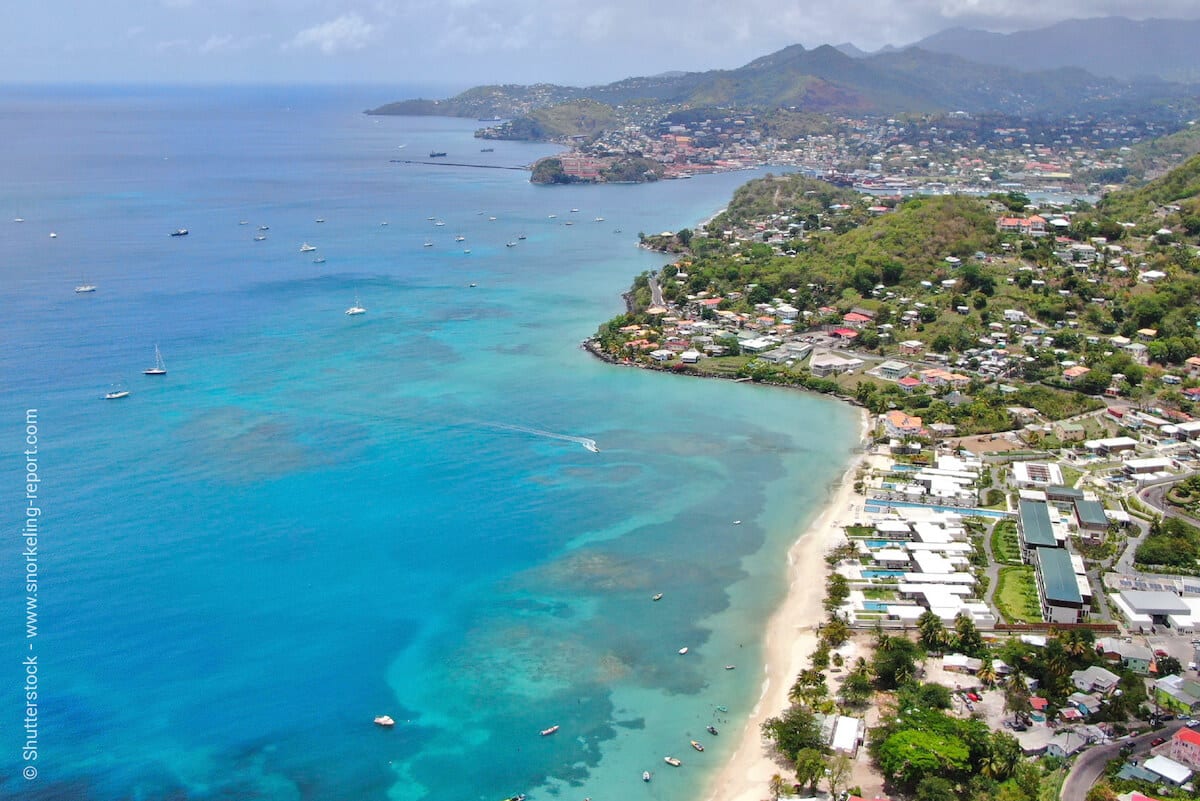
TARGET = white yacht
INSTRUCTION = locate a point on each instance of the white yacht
(356, 308)
(307, 248)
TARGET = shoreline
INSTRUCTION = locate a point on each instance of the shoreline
(789, 639)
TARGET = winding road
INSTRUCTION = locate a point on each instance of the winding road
(1090, 764)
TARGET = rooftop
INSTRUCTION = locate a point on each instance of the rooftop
(1058, 576)
(1090, 513)
(1035, 525)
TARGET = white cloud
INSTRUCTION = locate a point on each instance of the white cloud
(347, 32)
(228, 42)
(217, 43)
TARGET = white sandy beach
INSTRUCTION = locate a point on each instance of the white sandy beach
(789, 640)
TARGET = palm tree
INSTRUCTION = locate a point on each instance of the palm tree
(776, 786)
(933, 633)
(987, 673)
(1003, 754)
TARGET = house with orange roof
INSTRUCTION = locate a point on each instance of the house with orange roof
(898, 424)
(1073, 374)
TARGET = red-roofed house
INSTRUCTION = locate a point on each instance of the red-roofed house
(855, 319)
(1185, 748)
(844, 333)
(1192, 393)
(908, 383)
(1038, 704)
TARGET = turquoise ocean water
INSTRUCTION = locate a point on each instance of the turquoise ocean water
(313, 518)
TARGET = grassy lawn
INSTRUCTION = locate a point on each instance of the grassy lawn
(879, 594)
(1005, 547)
(1051, 785)
(1071, 475)
(859, 531)
(1016, 595)
(724, 365)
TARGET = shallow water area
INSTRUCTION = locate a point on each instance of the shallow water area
(314, 518)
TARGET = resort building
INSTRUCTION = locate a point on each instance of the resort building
(898, 424)
(1058, 589)
(827, 364)
(1091, 519)
(1036, 532)
(1036, 474)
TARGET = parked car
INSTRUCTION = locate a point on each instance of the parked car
(973, 697)
(1157, 741)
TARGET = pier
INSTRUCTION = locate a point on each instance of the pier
(458, 164)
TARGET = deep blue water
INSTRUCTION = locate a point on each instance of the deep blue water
(314, 518)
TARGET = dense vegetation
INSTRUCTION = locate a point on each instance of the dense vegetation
(1171, 543)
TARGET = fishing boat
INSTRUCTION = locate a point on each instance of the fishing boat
(683, 650)
(549, 731)
(159, 367)
(712, 730)
(697, 745)
(116, 393)
(657, 596)
(307, 248)
(385, 721)
(180, 232)
(672, 761)
(645, 775)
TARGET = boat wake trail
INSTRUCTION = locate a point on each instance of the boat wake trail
(586, 442)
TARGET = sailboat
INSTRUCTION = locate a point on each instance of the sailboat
(356, 308)
(159, 367)
(84, 287)
(116, 393)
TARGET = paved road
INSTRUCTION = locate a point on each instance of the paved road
(1152, 494)
(1090, 764)
(656, 298)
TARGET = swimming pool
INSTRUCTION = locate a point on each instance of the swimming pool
(874, 606)
(905, 468)
(886, 543)
(967, 512)
(883, 573)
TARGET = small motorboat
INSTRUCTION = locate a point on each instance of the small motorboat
(737, 522)
(243, 222)
(439, 223)
(599, 219)
(520, 236)
(730, 667)
(319, 260)
(722, 709)
(672, 761)
(264, 228)
(510, 244)
(260, 237)
(549, 731)
(307, 248)
(712, 730)
(53, 235)
(683, 650)
(180, 232)
(645, 775)
(428, 244)
(518, 797)
(697, 745)
(574, 211)
(320, 219)
(116, 394)
(473, 284)
(385, 721)
(657, 597)
(460, 238)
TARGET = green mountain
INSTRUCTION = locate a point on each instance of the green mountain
(1169, 201)
(825, 79)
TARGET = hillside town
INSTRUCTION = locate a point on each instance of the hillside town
(1020, 550)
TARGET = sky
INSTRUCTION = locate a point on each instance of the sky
(461, 43)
